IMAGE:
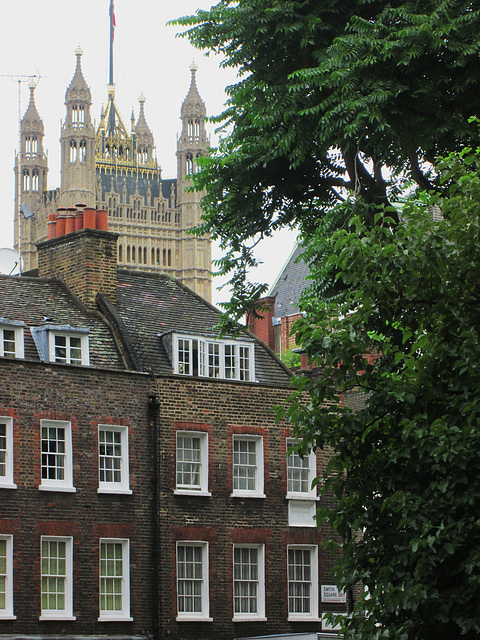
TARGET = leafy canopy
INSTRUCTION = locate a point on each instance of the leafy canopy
(334, 97)
(397, 399)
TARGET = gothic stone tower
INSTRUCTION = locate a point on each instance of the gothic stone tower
(31, 169)
(116, 169)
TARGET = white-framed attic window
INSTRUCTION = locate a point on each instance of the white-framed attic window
(209, 357)
(62, 343)
(11, 338)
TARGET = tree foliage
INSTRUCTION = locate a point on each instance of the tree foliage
(406, 340)
(334, 96)
(339, 106)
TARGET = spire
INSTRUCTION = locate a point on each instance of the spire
(144, 134)
(78, 90)
(31, 120)
(193, 104)
(145, 142)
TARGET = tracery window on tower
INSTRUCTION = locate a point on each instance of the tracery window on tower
(73, 151)
(133, 253)
(31, 146)
(128, 253)
(120, 253)
(78, 116)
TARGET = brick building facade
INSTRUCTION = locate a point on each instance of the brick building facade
(145, 488)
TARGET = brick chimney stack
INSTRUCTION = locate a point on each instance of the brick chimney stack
(85, 260)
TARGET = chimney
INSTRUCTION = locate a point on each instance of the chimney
(263, 327)
(86, 260)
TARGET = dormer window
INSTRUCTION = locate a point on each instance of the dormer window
(62, 343)
(212, 358)
(11, 338)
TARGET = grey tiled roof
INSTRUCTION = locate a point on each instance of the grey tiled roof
(290, 284)
(151, 304)
(31, 300)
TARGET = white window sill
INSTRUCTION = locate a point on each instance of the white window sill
(46, 487)
(125, 492)
(247, 494)
(191, 492)
(304, 618)
(249, 619)
(181, 618)
(58, 616)
(7, 485)
(7, 617)
(115, 619)
(301, 496)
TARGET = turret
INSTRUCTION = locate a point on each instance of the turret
(78, 142)
(31, 171)
(193, 141)
(145, 142)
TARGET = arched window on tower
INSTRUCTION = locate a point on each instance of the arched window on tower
(169, 257)
(164, 257)
(144, 255)
(153, 255)
(26, 180)
(133, 253)
(31, 146)
(158, 257)
(197, 130)
(78, 116)
(83, 151)
(35, 180)
(73, 151)
(120, 253)
(190, 130)
(128, 253)
(189, 162)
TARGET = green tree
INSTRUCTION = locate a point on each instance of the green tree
(341, 105)
(412, 480)
(333, 97)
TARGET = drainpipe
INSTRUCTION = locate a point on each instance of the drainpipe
(153, 407)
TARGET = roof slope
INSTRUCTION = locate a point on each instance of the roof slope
(290, 284)
(32, 300)
(149, 304)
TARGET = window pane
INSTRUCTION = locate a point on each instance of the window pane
(245, 580)
(188, 461)
(54, 575)
(189, 578)
(299, 581)
(111, 576)
(244, 464)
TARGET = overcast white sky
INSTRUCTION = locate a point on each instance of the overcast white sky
(40, 38)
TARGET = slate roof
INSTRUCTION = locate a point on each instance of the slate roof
(149, 304)
(289, 285)
(31, 300)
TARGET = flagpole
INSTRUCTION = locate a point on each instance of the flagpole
(112, 24)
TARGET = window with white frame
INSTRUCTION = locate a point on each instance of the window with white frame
(11, 339)
(6, 578)
(62, 343)
(248, 582)
(114, 586)
(192, 462)
(56, 578)
(248, 466)
(301, 470)
(192, 581)
(68, 349)
(211, 358)
(6, 453)
(56, 455)
(302, 568)
(113, 474)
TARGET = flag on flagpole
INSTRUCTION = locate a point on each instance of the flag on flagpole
(112, 18)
